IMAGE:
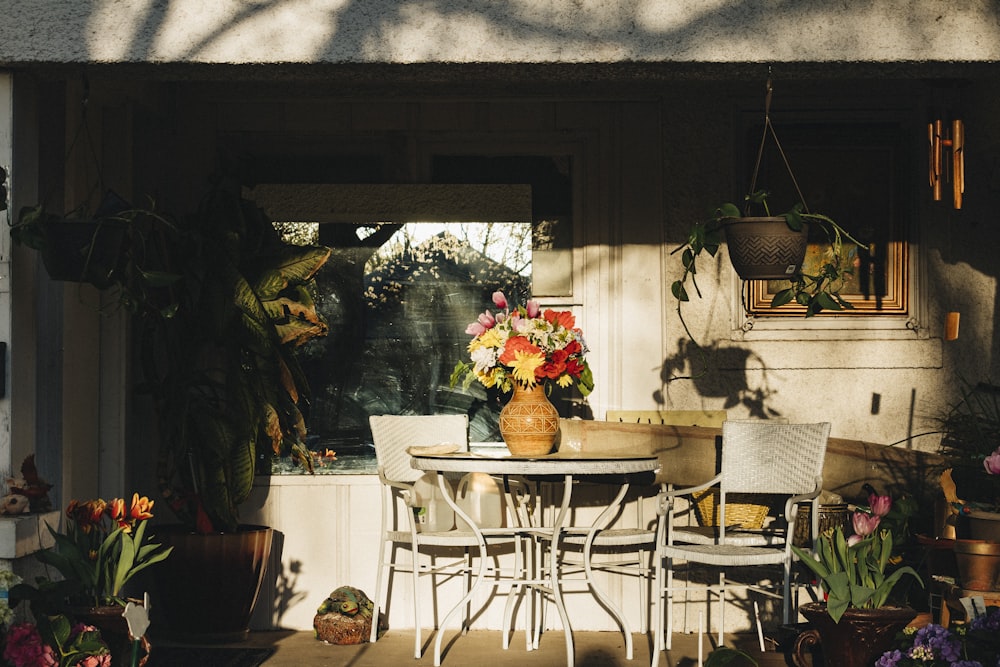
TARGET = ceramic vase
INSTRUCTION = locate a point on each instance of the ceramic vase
(529, 422)
(861, 636)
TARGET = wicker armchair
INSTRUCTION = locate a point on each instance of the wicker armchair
(393, 435)
(758, 457)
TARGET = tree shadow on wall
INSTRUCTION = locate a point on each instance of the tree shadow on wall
(717, 371)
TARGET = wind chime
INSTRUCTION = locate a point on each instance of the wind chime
(943, 137)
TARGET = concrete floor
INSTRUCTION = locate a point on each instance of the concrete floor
(593, 649)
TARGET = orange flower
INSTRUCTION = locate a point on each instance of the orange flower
(517, 344)
(142, 508)
(563, 318)
(116, 509)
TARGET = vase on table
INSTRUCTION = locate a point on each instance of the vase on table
(529, 422)
(861, 636)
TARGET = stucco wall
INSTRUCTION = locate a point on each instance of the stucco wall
(462, 31)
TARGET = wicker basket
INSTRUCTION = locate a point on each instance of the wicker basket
(744, 515)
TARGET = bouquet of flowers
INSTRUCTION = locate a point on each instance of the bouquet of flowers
(972, 645)
(527, 347)
(104, 546)
(54, 642)
(853, 570)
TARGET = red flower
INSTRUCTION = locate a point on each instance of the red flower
(554, 367)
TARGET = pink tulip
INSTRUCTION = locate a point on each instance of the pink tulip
(992, 463)
(880, 505)
(532, 308)
(854, 539)
(499, 299)
(487, 319)
(864, 523)
(475, 329)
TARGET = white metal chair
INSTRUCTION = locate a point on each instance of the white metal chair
(392, 436)
(758, 457)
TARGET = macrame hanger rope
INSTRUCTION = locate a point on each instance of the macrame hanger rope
(769, 129)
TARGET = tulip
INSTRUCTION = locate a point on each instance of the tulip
(487, 319)
(499, 300)
(880, 505)
(475, 329)
(532, 308)
(142, 508)
(864, 523)
(992, 463)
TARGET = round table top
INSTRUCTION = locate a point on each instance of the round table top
(558, 463)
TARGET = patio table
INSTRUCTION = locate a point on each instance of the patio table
(616, 469)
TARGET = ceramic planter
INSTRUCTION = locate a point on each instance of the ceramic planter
(207, 588)
(765, 248)
(861, 636)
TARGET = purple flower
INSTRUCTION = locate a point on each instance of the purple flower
(935, 642)
(890, 658)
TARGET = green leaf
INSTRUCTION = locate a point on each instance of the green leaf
(793, 220)
(732, 211)
(677, 289)
(687, 260)
(825, 301)
(782, 297)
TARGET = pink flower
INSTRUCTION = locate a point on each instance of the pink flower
(25, 648)
(992, 463)
(864, 523)
(499, 300)
(854, 539)
(475, 329)
(487, 319)
(880, 505)
(95, 661)
(532, 308)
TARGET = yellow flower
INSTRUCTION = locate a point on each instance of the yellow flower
(490, 338)
(524, 367)
(564, 380)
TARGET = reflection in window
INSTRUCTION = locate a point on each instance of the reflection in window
(398, 298)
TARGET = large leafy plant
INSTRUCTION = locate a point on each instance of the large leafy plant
(223, 303)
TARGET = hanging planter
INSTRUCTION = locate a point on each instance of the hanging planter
(79, 249)
(766, 248)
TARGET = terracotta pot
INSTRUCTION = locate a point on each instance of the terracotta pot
(861, 636)
(978, 564)
(207, 588)
(765, 248)
(984, 525)
(529, 422)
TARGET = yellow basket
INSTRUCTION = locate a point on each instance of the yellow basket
(744, 515)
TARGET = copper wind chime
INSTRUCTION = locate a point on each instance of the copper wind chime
(944, 137)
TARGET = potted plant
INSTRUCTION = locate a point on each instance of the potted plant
(816, 291)
(105, 545)
(221, 303)
(972, 644)
(79, 246)
(858, 619)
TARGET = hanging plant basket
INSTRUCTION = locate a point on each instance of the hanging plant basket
(85, 251)
(765, 248)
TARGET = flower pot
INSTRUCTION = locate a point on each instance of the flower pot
(85, 251)
(861, 636)
(529, 422)
(207, 588)
(114, 630)
(984, 525)
(765, 248)
(978, 564)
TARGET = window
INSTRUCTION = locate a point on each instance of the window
(403, 282)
